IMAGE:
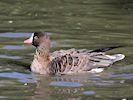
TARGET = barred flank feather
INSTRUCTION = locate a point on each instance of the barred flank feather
(74, 61)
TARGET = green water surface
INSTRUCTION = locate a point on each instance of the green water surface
(86, 24)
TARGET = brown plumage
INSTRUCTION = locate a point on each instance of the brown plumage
(68, 61)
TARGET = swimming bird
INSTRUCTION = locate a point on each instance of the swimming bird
(68, 61)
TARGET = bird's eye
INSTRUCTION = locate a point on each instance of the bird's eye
(35, 37)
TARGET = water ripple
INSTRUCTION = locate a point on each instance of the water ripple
(89, 92)
(24, 78)
(123, 76)
(13, 47)
(10, 57)
(15, 35)
(67, 84)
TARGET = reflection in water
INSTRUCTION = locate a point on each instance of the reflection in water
(123, 76)
(69, 84)
(25, 78)
(73, 23)
(13, 47)
(55, 87)
(15, 35)
(10, 57)
(89, 92)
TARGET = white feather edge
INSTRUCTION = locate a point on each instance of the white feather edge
(115, 57)
(96, 70)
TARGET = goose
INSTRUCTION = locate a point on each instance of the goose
(69, 61)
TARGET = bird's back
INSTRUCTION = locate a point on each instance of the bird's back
(79, 61)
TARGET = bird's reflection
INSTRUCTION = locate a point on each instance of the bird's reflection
(70, 87)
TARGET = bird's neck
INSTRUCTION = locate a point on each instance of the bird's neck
(43, 52)
(41, 60)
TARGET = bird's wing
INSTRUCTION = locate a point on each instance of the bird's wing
(82, 60)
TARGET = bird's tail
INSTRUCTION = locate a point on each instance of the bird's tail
(118, 57)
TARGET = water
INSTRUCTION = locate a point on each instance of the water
(80, 24)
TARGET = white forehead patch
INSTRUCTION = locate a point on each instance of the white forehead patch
(31, 38)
